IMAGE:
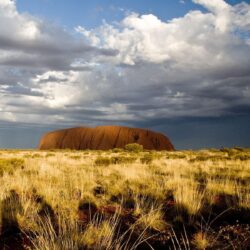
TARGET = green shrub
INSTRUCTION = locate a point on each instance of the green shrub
(102, 161)
(134, 147)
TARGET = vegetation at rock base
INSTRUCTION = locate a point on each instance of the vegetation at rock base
(134, 147)
(125, 199)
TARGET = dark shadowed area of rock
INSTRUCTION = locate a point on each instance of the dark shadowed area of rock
(104, 137)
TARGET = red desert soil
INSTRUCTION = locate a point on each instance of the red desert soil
(104, 137)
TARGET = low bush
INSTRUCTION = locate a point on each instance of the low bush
(134, 147)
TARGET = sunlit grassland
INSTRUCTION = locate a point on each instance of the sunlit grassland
(159, 200)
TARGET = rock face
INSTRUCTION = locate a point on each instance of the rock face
(104, 137)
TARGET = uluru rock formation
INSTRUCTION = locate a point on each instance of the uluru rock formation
(104, 137)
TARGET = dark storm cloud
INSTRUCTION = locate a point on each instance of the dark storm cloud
(240, 109)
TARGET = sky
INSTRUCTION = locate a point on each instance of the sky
(180, 67)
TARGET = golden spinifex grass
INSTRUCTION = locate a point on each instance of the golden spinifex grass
(125, 200)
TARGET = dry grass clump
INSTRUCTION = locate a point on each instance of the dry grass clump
(147, 158)
(9, 166)
(125, 199)
(102, 161)
(106, 161)
(201, 241)
(154, 219)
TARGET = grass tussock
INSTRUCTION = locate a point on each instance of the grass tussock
(8, 166)
(125, 199)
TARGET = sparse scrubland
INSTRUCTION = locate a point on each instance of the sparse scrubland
(125, 199)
